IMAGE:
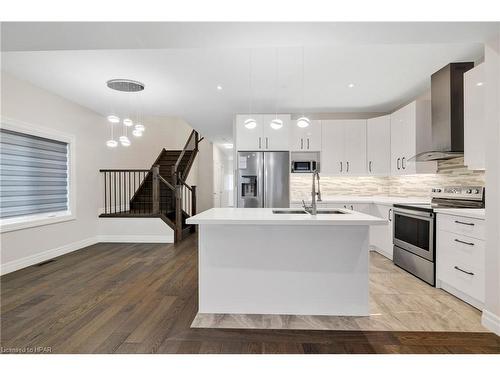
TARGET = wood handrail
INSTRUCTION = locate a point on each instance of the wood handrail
(182, 182)
(194, 133)
(169, 185)
(124, 170)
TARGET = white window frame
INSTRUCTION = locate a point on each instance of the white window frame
(46, 218)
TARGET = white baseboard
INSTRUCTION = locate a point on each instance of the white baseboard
(46, 255)
(168, 238)
(491, 321)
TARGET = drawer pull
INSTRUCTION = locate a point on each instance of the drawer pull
(463, 222)
(467, 272)
(465, 243)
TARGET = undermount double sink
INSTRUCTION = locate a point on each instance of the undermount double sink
(304, 212)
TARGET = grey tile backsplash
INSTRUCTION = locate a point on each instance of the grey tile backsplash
(450, 173)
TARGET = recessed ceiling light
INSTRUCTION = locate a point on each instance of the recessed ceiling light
(350, 85)
(479, 84)
(228, 145)
(219, 87)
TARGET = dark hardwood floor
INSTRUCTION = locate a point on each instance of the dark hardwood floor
(141, 298)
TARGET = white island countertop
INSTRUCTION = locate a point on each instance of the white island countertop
(265, 216)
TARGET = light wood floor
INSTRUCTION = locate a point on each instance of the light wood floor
(142, 298)
(398, 302)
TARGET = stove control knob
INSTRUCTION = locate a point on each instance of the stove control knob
(469, 191)
(438, 190)
(476, 191)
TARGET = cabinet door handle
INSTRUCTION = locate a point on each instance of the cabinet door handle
(308, 143)
(301, 143)
(461, 270)
(347, 166)
(267, 142)
(370, 166)
(465, 243)
(463, 223)
(260, 142)
(389, 214)
(340, 167)
(398, 164)
(403, 165)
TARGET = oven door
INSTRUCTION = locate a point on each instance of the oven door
(414, 232)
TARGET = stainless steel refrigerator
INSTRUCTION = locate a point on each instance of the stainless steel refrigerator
(263, 179)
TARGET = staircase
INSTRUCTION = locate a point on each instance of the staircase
(160, 191)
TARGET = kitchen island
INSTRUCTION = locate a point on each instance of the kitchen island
(255, 261)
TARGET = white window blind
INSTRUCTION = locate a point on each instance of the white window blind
(33, 175)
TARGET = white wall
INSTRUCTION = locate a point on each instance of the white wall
(24, 102)
(205, 176)
(491, 313)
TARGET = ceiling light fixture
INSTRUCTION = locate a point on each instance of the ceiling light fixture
(276, 123)
(250, 123)
(124, 141)
(219, 87)
(303, 121)
(111, 143)
(228, 145)
(350, 85)
(139, 127)
(128, 122)
(113, 119)
(125, 85)
(137, 133)
(479, 84)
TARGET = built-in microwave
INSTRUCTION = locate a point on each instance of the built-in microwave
(304, 166)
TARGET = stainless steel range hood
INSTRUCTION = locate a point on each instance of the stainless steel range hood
(447, 101)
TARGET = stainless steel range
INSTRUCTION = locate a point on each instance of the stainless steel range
(415, 225)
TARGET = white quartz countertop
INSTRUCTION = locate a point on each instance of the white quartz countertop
(475, 213)
(265, 216)
(373, 199)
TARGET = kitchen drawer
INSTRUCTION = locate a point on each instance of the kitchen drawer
(461, 225)
(460, 263)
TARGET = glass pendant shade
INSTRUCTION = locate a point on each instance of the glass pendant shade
(139, 127)
(250, 123)
(111, 143)
(113, 119)
(137, 133)
(128, 122)
(276, 124)
(303, 122)
(124, 141)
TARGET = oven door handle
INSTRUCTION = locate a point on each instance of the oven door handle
(429, 216)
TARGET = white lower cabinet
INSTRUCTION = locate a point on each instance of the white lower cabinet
(381, 235)
(460, 257)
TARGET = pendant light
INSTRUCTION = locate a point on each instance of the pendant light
(112, 143)
(276, 123)
(303, 122)
(113, 119)
(250, 123)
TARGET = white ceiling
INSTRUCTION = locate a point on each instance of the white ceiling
(181, 65)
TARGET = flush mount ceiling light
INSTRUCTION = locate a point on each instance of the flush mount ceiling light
(276, 124)
(303, 122)
(113, 119)
(250, 123)
(125, 85)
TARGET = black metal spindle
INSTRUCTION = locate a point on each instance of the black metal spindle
(114, 189)
(105, 203)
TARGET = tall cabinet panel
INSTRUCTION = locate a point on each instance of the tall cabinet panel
(474, 129)
(332, 149)
(355, 147)
(378, 145)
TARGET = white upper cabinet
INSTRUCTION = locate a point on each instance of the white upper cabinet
(263, 136)
(249, 139)
(305, 139)
(276, 139)
(343, 149)
(378, 145)
(474, 129)
(410, 135)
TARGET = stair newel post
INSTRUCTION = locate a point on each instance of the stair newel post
(156, 190)
(193, 200)
(178, 212)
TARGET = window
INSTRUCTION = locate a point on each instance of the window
(34, 179)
